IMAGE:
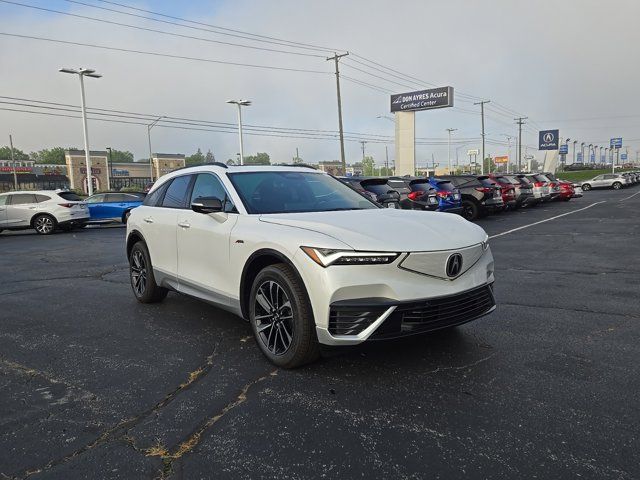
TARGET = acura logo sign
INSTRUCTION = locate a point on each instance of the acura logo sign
(454, 265)
(548, 137)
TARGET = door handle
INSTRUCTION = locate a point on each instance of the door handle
(32, 208)
(148, 220)
(184, 224)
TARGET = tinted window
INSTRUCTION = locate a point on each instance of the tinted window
(22, 198)
(599, 177)
(488, 182)
(3, 199)
(282, 191)
(176, 195)
(421, 186)
(610, 176)
(42, 198)
(154, 199)
(70, 196)
(446, 186)
(399, 185)
(378, 189)
(121, 198)
(541, 178)
(208, 185)
(94, 199)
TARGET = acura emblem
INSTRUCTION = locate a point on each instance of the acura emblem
(454, 265)
(548, 137)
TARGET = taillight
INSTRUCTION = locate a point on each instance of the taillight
(67, 205)
(484, 189)
(538, 184)
(415, 195)
(442, 194)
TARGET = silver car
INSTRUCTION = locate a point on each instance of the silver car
(608, 180)
(44, 211)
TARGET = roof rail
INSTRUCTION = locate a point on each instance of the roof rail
(217, 164)
(303, 165)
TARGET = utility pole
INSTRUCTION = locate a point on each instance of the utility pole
(363, 143)
(336, 58)
(482, 115)
(297, 156)
(13, 162)
(386, 161)
(520, 122)
(110, 167)
(449, 131)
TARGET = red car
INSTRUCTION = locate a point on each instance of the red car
(567, 192)
(508, 191)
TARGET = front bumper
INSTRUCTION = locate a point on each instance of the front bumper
(384, 319)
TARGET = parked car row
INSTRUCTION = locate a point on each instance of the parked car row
(46, 211)
(471, 196)
(612, 180)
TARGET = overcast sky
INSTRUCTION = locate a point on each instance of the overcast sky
(571, 65)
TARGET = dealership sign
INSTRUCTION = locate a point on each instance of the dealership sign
(503, 159)
(440, 97)
(564, 149)
(616, 142)
(548, 140)
(474, 151)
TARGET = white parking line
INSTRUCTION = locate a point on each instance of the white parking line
(546, 220)
(630, 196)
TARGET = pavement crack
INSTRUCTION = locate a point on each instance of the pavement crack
(189, 443)
(121, 429)
(462, 367)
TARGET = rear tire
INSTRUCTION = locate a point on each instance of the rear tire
(44, 224)
(143, 283)
(616, 185)
(586, 187)
(470, 210)
(281, 317)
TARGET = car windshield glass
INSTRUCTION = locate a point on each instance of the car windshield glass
(487, 182)
(377, 188)
(421, 186)
(70, 196)
(286, 192)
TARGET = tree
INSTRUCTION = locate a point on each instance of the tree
(195, 159)
(120, 156)
(53, 156)
(209, 157)
(18, 155)
(259, 158)
(489, 166)
(367, 166)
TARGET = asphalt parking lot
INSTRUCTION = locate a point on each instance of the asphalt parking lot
(95, 385)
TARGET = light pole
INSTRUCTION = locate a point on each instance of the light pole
(149, 127)
(449, 131)
(590, 150)
(240, 104)
(574, 151)
(84, 72)
(582, 151)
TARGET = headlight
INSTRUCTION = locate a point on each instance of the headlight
(325, 257)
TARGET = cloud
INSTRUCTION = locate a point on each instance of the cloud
(548, 60)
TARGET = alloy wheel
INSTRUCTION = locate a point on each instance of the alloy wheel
(274, 317)
(138, 273)
(44, 225)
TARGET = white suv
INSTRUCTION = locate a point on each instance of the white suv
(306, 259)
(43, 210)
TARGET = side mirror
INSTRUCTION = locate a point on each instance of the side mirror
(206, 205)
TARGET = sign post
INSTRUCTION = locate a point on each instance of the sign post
(617, 144)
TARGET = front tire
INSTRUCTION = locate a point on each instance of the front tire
(44, 224)
(586, 187)
(616, 185)
(281, 317)
(143, 283)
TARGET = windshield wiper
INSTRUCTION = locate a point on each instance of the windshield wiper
(343, 209)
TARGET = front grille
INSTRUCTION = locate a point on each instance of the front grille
(424, 316)
(351, 320)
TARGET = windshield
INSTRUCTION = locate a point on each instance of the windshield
(287, 192)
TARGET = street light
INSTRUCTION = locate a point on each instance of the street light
(590, 150)
(149, 127)
(574, 150)
(84, 72)
(582, 151)
(240, 104)
(450, 130)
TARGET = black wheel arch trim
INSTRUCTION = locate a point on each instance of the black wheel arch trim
(245, 289)
(129, 244)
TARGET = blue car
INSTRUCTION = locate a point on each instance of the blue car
(449, 198)
(112, 207)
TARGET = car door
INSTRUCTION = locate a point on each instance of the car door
(203, 244)
(160, 224)
(95, 205)
(113, 205)
(3, 210)
(598, 181)
(20, 209)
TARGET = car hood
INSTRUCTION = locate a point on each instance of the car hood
(387, 229)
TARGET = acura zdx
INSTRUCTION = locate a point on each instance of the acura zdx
(306, 259)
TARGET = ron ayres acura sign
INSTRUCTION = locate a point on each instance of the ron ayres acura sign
(549, 140)
(440, 97)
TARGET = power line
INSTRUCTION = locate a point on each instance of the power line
(136, 27)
